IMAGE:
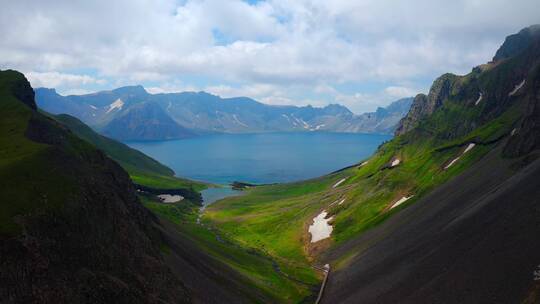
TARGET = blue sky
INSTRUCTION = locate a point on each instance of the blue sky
(362, 54)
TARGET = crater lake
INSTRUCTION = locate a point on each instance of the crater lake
(263, 157)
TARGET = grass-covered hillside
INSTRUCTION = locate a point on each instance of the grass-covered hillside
(71, 227)
(445, 133)
(142, 169)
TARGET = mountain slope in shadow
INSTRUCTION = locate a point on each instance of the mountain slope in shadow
(72, 228)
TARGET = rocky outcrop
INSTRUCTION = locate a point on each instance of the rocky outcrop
(418, 110)
(424, 106)
(517, 43)
(466, 102)
(19, 86)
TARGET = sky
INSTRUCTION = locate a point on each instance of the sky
(362, 54)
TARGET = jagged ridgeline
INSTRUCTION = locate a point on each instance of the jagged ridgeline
(131, 113)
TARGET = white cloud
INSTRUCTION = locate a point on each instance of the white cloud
(276, 50)
(400, 92)
(55, 79)
(174, 87)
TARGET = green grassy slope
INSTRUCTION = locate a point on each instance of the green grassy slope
(23, 161)
(285, 284)
(279, 283)
(142, 169)
(275, 218)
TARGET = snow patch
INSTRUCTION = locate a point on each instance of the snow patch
(341, 202)
(167, 198)
(364, 163)
(516, 88)
(339, 182)
(401, 201)
(317, 127)
(479, 99)
(452, 162)
(239, 122)
(320, 229)
(513, 132)
(93, 107)
(117, 104)
(469, 147)
(395, 162)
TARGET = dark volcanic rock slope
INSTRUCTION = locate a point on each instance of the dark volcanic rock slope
(473, 239)
(72, 229)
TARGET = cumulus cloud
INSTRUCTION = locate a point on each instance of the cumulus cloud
(276, 50)
(55, 79)
(400, 92)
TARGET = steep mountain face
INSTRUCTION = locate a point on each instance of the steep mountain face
(145, 121)
(202, 112)
(485, 93)
(471, 238)
(517, 43)
(72, 228)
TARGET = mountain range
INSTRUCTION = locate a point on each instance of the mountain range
(131, 113)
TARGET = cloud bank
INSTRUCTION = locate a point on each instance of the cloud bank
(360, 53)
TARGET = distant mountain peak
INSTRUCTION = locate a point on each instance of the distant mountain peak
(131, 90)
(17, 84)
(516, 43)
(132, 113)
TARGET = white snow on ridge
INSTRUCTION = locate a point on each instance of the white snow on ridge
(395, 162)
(341, 202)
(516, 88)
(364, 163)
(479, 99)
(117, 104)
(469, 147)
(339, 182)
(320, 229)
(452, 162)
(238, 121)
(317, 127)
(513, 132)
(401, 201)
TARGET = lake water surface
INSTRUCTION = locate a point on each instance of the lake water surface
(261, 158)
